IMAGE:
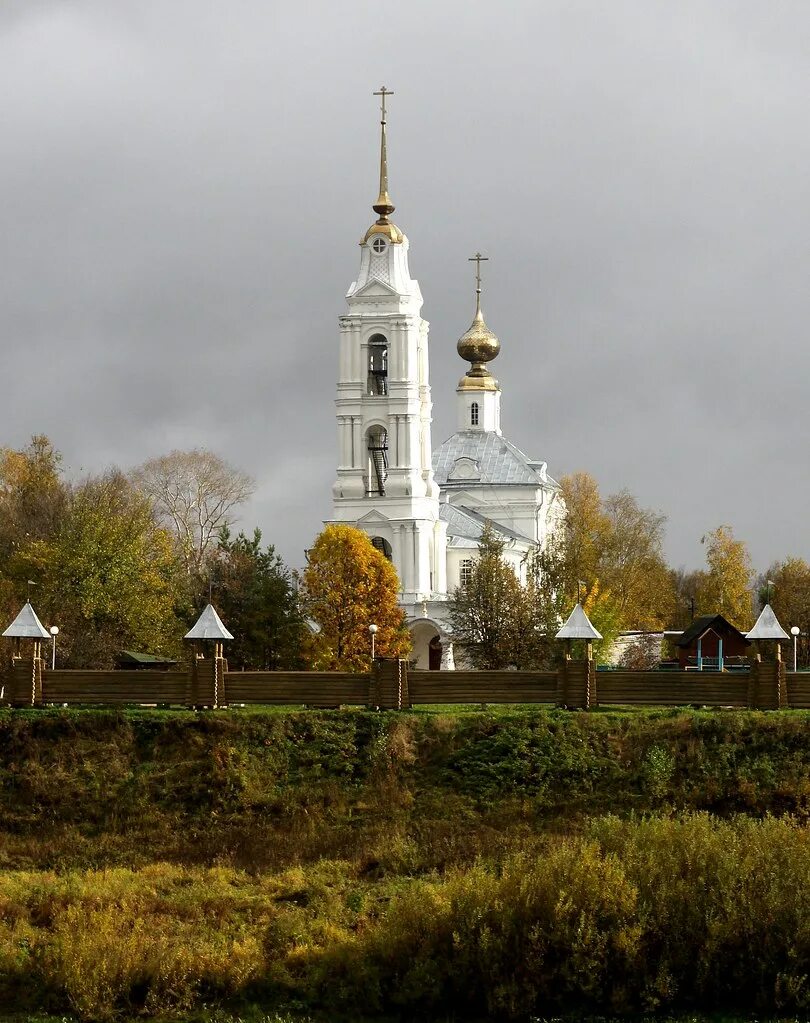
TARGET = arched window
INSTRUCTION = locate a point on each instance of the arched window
(474, 414)
(378, 365)
(382, 545)
(377, 443)
(465, 571)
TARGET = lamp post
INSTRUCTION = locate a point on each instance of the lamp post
(795, 632)
(54, 631)
(373, 630)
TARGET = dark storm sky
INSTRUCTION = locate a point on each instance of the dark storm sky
(184, 183)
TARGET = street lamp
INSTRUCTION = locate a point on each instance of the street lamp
(373, 630)
(795, 632)
(54, 631)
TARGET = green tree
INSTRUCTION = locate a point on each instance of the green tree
(107, 575)
(491, 613)
(257, 599)
(347, 586)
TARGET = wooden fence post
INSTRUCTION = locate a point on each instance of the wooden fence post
(576, 680)
(24, 681)
(208, 673)
(767, 683)
(388, 684)
(576, 683)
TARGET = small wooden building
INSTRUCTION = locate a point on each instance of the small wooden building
(711, 643)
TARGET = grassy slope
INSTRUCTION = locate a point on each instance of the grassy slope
(156, 861)
(409, 791)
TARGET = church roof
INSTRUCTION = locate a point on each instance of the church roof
(477, 457)
(466, 524)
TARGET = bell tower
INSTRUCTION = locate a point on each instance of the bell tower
(385, 483)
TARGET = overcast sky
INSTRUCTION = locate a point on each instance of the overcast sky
(183, 184)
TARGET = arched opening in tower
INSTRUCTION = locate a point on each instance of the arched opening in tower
(377, 460)
(378, 365)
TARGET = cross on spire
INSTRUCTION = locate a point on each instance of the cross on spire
(478, 259)
(382, 94)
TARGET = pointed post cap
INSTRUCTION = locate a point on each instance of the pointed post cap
(578, 626)
(27, 626)
(767, 626)
(208, 626)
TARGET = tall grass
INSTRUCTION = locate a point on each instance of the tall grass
(654, 914)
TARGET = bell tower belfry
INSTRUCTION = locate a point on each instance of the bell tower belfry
(385, 483)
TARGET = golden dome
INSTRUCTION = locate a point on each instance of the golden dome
(478, 345)
(383, 227)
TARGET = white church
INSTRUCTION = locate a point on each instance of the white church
(425, 509)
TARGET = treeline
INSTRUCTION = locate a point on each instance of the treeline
(609, 556)
(126, 560)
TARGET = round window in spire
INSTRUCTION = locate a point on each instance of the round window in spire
(379, 246)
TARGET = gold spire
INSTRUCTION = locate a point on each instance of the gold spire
(383, 207)
(478, 345)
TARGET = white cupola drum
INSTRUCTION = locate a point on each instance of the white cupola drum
(385, 484)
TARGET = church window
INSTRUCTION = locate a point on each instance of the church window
(474, 414)
(378, 245)
(465, 571)
(378, 365)
(382, 545)
(377, 461)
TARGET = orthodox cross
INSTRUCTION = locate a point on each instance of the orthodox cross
(382, 94)
(478, 259)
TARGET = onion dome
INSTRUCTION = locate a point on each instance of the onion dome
(478, 345)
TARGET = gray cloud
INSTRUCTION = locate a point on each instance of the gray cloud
(184, 185)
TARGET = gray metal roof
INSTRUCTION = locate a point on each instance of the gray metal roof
(578, 626)
(208, 626)
(27, 626)
(488, 459)
(767, 627)
(468, 524)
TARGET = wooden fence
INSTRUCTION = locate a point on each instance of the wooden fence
(208, 683)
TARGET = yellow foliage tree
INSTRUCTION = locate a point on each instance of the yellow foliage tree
(349, 585)
(726, 587)
(614, 541)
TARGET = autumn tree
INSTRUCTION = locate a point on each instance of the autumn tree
(789, 594)
(194, 494)
(106, 575)
(257, 598)
(347, 586)
(32, 501)
(725, 587)
(614, 548)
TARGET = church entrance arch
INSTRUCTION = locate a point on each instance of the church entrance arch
(426, 654)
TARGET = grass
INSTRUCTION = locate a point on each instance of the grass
(654, 915)
(436, 864)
